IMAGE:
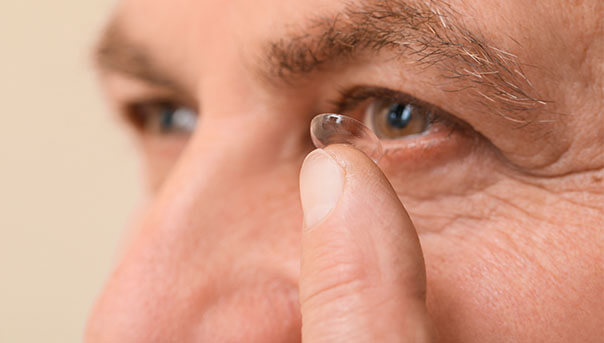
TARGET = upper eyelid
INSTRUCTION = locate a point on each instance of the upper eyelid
(352, 97)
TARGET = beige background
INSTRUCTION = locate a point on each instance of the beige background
(67, 173)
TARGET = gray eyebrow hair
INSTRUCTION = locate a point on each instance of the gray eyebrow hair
(428, 33)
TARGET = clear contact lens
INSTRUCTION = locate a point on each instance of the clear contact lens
(331, 128)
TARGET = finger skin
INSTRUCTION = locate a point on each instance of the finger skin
(362, 276)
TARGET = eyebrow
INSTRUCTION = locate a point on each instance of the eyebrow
(115, 52)
(430, 34)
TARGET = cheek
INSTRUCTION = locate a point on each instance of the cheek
(507, 261)
(510, 283)
(436, 182)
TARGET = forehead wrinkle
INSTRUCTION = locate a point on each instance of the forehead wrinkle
(430, 34)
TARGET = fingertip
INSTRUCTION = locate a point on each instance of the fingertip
(365, 250)
(321, 184)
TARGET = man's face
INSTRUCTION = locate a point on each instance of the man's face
(502, 172)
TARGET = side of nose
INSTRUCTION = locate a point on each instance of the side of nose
(216, 256)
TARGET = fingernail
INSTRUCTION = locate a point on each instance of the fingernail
(321, 183)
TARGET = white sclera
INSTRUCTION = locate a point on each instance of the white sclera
(331, 128)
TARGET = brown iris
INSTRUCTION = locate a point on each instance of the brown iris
(393, 120)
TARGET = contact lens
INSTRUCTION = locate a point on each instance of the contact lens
(331, 128)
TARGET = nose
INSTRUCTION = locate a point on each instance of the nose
(215, 258)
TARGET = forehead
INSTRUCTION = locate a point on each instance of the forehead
(188, 34)
(221, 15)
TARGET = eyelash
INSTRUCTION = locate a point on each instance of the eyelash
(350, 99)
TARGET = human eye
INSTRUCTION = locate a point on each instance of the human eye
(393, 115)
(164, 118)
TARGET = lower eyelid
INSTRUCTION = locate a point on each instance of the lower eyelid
(435, 131)
(425, 151)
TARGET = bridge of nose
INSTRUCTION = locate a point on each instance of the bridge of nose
(224, 226)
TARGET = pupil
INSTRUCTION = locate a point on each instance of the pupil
(167, 119)
(399, 115)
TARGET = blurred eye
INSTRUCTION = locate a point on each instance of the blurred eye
(392, 119)
(163, 118)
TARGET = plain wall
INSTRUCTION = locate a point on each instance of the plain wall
(68, 173)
